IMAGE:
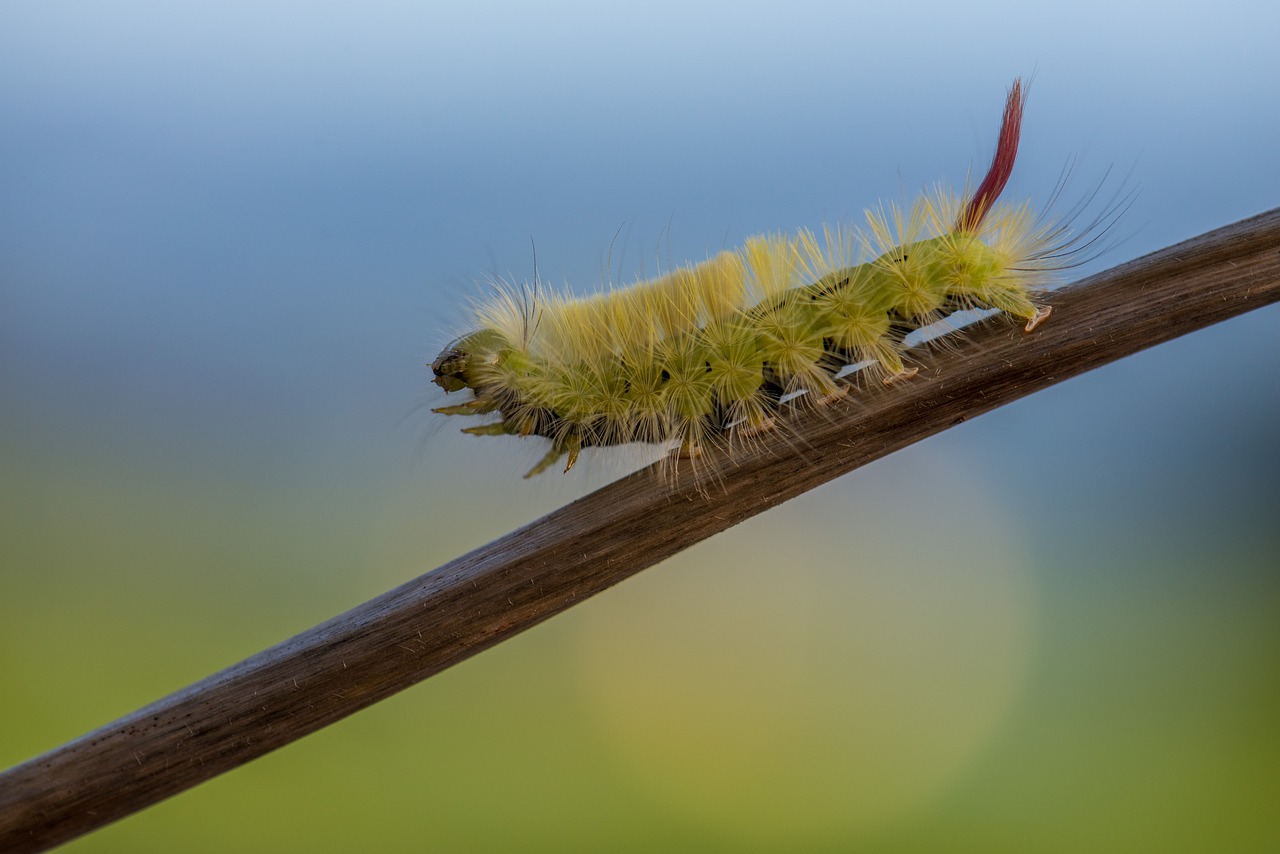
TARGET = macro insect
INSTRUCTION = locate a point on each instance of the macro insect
(711, 353)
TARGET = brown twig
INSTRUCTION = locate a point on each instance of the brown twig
(485, 597)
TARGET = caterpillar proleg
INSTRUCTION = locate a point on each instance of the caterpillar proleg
(710, 353)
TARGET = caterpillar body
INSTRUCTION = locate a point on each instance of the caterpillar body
(710, 353)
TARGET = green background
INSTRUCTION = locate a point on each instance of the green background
(231, 233)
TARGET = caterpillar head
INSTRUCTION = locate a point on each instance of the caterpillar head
(461, 364)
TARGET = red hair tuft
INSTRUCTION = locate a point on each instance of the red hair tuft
(1001, 164)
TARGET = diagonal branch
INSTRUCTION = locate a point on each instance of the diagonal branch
(495, 592)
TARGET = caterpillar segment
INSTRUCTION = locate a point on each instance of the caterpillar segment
(709, 353)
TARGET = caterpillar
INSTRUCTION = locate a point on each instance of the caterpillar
(710, 353)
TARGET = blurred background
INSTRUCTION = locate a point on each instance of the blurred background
(231, 234)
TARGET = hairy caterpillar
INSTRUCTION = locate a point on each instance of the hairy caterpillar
(709, 353)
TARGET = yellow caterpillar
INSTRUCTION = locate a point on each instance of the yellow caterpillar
(708, 353)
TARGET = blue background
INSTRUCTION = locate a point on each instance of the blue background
(232, 233)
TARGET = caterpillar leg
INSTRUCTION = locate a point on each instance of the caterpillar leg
(553, 456)
(901, 376)
(689, 451)
(1039, 317)
(498, 428)
(575, 448)
(754, 427)
(837, 392)
(479, 406)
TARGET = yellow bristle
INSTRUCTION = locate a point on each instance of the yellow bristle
(709, 352)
